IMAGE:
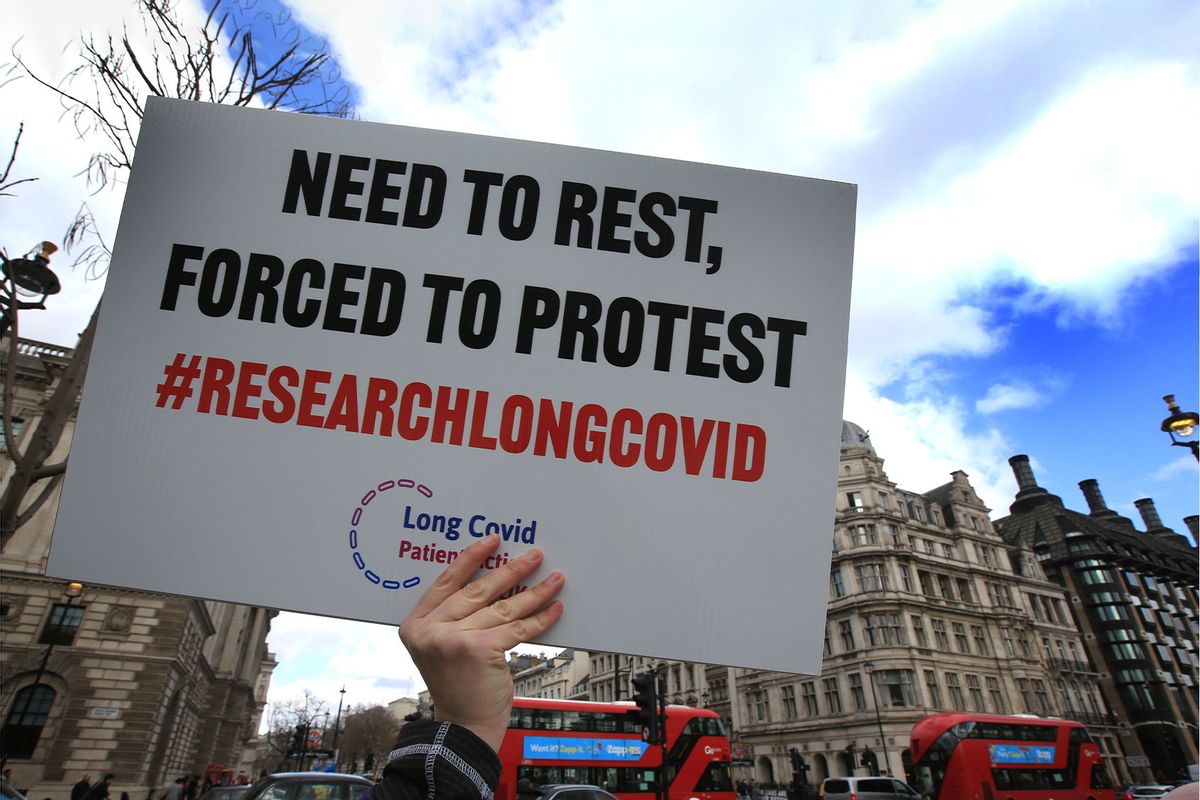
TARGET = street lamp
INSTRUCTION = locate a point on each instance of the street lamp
(337, 723)
(28, 277)
(869, 668)
(1181, 424)
(73, 589)
(33, 278)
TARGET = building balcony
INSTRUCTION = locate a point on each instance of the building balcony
(1088, 718)
(1069, 665)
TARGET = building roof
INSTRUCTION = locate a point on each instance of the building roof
(854, 436)
(1038, 519)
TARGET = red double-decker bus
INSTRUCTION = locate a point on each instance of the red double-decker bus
(562, 741)
(990, 757)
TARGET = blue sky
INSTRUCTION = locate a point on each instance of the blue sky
(1026, 275)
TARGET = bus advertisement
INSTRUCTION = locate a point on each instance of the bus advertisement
(564, 741)
(989, 757)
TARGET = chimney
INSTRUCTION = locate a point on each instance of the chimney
(1023, 472)
(1149, 513)
(1100, 511)
(1029, 494)
(1191, 523)
(1091, 493)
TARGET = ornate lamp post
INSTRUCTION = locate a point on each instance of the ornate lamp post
(1181, 426)
(337, 723)
(32, 277)
(869, 668)
(26, 277)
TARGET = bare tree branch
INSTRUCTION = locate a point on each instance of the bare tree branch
(369, 734)
(5, 183)
(216, 61)
(105, 95)
(47, 489)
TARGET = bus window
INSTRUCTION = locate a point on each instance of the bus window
(1100, 779)
(546, 719)
(715, 778)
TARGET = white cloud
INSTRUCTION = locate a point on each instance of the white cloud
(1014, 395)
(928, 436)
(1181, 466)
(1006, 397)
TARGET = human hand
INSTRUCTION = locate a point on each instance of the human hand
(457, 636)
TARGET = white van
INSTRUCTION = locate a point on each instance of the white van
(873, 788)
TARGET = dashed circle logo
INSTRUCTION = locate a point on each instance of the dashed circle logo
(356, 525)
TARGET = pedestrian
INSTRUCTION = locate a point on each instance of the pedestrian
(457, 639)
(79, 790)
(175, 790)
(525, 790)
(102, 790)
(124, 795)
(743, 792)
(755, 792)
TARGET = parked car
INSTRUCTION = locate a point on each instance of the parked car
(226, 793)
(1146, 792)
(573, 791)
(9, 792)
(308, 786)
(876, 787)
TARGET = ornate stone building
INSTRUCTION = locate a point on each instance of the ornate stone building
(933, 608)
(560, 677)
(930, 609)
(96, 679)
(1133, 594)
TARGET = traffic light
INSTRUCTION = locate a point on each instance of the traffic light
(850, 753)
(298, 739)
(798, 765)
(645, 694)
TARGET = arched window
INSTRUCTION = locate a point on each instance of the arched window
(25, 721)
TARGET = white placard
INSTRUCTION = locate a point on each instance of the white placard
(332, 353)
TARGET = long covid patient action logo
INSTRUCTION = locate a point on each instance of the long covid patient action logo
(399, 521)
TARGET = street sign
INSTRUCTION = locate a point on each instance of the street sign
(104, 713)
(344, 351)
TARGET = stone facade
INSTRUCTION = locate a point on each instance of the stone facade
(402, 707)
(559, 677)
(148, 686)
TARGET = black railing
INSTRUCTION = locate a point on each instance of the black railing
(1069, 665)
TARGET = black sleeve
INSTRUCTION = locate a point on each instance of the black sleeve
(439, 760)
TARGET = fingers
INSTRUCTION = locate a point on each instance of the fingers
(528, 629)
(471, 606)
(455, 576)
(480, 592)
(518, 607)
